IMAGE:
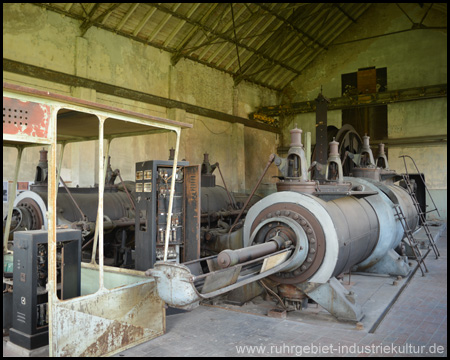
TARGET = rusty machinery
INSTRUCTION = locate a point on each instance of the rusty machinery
(304, 235)
(300, 237)
(135, 212)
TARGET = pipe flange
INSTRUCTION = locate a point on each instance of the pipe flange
(36, 205)
(268, 222)
(286, 229)
(34, 211)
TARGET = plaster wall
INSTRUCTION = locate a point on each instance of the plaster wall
(49, 40)
(413, 58)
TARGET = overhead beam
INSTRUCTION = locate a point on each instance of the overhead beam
(345, 13)
(179, 51)
(291, 25)
(350, 102)
(88, 22)
(176, 52)
(225, 37)
(72, 80)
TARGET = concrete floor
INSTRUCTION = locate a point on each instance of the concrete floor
(414, 325)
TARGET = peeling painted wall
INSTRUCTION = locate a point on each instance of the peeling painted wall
(46, 39)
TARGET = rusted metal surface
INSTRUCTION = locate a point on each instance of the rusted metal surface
(349, 102)
(27, 119)
(108, 320)
(192, 211)
(89, 105)
(178, 287)
(111, 321)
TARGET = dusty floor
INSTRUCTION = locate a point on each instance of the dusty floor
(415, 324)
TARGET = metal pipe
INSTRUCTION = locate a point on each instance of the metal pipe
(11, 200)
(172, 192)
(271, 159)
(83, 217)
(58, 171)
(225, 185)
(126, 190)
(101, 188)
(94, 248)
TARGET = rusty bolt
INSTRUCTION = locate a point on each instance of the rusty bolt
(395, 283)
(359, 326)
(399, 277)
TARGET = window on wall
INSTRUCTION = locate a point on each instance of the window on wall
(371, 120)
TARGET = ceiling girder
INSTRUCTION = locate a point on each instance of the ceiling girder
(292, 25)
(227, 38)
(88, 22)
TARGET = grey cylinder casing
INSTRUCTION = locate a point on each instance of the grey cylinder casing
(355, 230)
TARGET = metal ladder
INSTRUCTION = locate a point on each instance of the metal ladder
(412, 242)
(421, 214)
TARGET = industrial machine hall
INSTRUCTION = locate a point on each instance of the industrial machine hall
(224, 179)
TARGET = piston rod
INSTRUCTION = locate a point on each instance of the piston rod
(229, 258)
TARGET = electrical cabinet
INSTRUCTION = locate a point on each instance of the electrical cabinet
(153, 186)
(30, 275)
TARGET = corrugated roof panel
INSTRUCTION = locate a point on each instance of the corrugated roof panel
(276, 41)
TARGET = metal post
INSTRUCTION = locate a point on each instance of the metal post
(172, 192)
(101, 185)
(11, 200)
(51, 217)
(94, 247)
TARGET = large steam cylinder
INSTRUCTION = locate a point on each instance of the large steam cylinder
(333, 236)
(34, 204)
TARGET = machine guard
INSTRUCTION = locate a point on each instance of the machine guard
(180, 288)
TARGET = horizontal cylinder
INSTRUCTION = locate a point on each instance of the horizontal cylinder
(116, 205)
(340, 234)
(229, 258)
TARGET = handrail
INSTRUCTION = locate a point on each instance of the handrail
(423, 180)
